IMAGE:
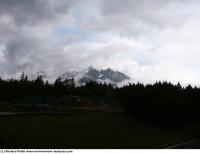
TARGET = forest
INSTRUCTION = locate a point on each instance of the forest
(161, 102)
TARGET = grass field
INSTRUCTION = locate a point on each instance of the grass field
(91, 130)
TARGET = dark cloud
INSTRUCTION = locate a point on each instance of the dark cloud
(34, 11)
(22, 25)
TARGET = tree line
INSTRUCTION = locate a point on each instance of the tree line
(161, 102)
(10, 88)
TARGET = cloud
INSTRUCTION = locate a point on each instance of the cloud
(148, 40)
(34, 11)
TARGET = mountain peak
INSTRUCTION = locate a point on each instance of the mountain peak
(93, 74)
(91, 68)
(109, 70)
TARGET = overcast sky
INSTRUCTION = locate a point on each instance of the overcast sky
(148, 40)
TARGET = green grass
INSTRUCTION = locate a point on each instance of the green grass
(92, 130)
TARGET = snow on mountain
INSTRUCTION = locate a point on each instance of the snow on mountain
(92, 74)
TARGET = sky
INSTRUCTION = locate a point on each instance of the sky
(149, 40)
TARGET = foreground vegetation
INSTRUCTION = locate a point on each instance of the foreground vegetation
(89, 130)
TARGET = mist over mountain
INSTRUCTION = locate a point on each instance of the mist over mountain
(42, 74)
(93, 74)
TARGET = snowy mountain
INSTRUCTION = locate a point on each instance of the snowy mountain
(92, 74)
